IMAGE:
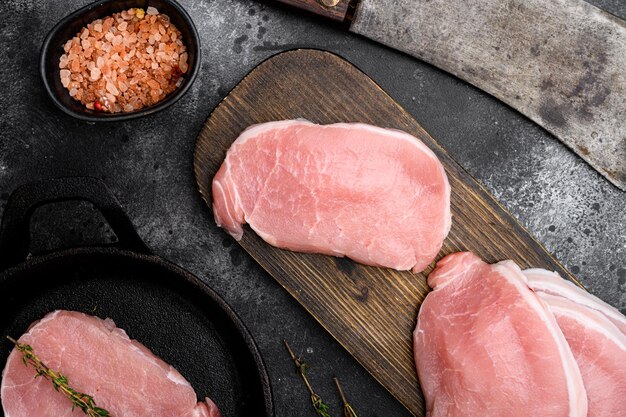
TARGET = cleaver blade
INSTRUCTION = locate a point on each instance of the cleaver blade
(562, 63)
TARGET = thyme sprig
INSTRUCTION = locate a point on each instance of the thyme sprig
(60, 383)
(348, 411)
(321, 408)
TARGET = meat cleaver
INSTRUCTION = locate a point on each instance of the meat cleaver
(562, 63)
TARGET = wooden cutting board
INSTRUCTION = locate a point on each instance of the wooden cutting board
(370, 311)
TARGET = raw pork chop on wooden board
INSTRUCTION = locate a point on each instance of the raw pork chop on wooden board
(550, 283)
(371, 311)
(596, 334)
(486, 345)
(312, 188)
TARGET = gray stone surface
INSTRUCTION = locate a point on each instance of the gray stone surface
(570, 208)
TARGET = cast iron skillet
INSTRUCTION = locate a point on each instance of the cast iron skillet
(161, 305)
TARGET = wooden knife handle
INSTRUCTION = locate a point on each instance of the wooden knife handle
(340, 11)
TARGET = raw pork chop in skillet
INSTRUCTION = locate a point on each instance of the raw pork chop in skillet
(123, 376)
(378, 196)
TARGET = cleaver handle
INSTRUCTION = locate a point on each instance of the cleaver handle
(340, 11)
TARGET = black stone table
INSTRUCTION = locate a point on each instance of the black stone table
(571, 209)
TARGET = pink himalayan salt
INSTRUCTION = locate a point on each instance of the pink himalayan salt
(95, 74)
(113, 64)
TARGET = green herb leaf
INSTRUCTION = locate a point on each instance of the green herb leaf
(60, 383)
(321, 409)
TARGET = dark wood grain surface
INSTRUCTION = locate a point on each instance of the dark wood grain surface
(370, 311)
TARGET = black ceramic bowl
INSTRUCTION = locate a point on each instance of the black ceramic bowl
(52, 49)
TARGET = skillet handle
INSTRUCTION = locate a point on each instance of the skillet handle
(15, 228)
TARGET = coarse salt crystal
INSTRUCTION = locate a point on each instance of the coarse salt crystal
(112, 89)
(95, 74)
(123, 61)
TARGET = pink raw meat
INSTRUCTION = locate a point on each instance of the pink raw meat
(99, 359)
(485, 345)
(542, 281)
(595, 340)
(378, 196)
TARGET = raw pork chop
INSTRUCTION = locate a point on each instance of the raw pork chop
(378, 196)
(99, 359)
(596, 342)
(542, 281)
(485, 345)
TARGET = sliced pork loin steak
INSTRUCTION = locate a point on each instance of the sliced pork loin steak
(98, 359)
(379, 196)
(485, 345)
(591, 329)
(546, 282)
